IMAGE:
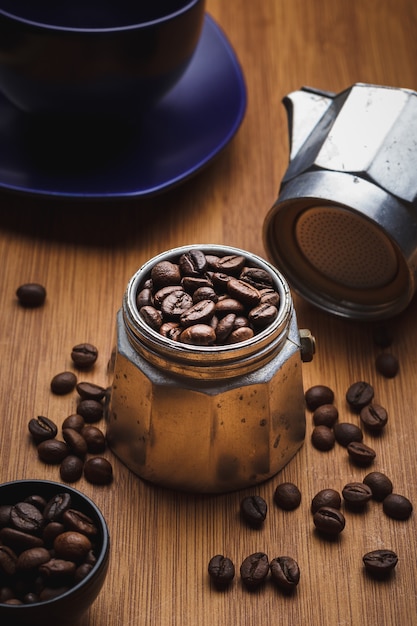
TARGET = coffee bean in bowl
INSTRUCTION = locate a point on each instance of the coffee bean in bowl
(56, 540)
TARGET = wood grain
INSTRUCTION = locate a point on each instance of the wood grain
(84, 255)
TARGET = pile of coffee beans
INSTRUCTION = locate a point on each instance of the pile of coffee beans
(204, 300)
(46, 547)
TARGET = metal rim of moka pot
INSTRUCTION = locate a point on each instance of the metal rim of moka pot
(343, 239)
(206, 362)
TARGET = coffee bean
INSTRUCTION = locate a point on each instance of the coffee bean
(192, 263)
(323, 438)
(31, 295)
(26, 518)
(37, 501)
(204, 293)
(318, 395)
(356, 495)
(325, 415)
(98, 471)
(199, 335)
(329, 521)
(244, 292)
(90, 410)
(221, 571)
(380, 562)
(8, 561)
(57, 569)
(165, 273)
(63, 383)
(199, 313)
(253, 510)
(80, 522)
(262, 315)
(32, 558)
(174, 305)
(397, 506)
(42, 428)
(257, 277)
(387, 365)
(254, 570)
(52, 451)
(152, 316)
(162, 293)
(227, 305)
(74, 421)
(57, 506)
(51, 531)
(95, 439)
(244, 333)
(224, 327)
(72, 546)
(326, 498)
(75, 441)
(285, 572)
(84, 355)
(144, 298)
(5, 514)
(374, 417)
(360, 453)
(270, 296)
(19, 540)
(231, 264)
(359, 395)
(380, 485)
(287, 496)
(345, 433)
(71, 468)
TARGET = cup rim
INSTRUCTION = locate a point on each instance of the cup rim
(42, 25)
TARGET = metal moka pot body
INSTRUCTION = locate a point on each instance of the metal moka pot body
(343, 229)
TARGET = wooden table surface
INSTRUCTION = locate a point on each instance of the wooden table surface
(85, 253)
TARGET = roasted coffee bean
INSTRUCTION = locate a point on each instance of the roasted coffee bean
(224, 327)
(318, 395)
(5, 514)
(165, 273)
(253, 510)
(244, 333)
(220, 280)
(49, 593)
(26, 518)
(323, 438)
(37, 501)
(72, 546)
(257, 277)
(345, 433)
(329, 521)
(175, 304)
(221, 571)
(270, 296)
(31, 295)
(19, 540)
(193, 263)
(325, 415)
(205, 293)
(32, 558)
(397, 506)
(51, 531)
(162, 293)
(90, 391)
(228, 305)
(98, 471)
(380, 562)
(74, 421)
(262, 315)
(95, 439)
(58, 569)
(285, 572)
(75, 441)
(387, 365)
(71, 468)
(63, 383)
(52, 451)
(380, 485)
(80, 522)
(57, 506)
(287, 496)
(191, 284)
(42, 428)
(374, 417)
(231, 264)
(84, 355)
(91, 410)
(326, 498)
(144, 298)
(359, 395)
(152, 316)
(254, 570)
(199, 313)
(360, 453)
(8, 561)
(244, 292)
(199, 335)
(356, 495)
(171, 330)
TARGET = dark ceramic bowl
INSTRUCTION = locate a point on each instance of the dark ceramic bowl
(94, 56)
(68, 607)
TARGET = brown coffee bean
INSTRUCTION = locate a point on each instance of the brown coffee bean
(51, 531)
(325, 415)
(225, 327)
(226, 305)
(175, 304)
(8, 561)
(231, 264)
(287, 496)
(37, 501)
(165, 273)
(387, 365)
(98, 471)
(317, 395)
(199, 313)
(345, 433)
(74, 421)
(57, 569)
(397, 506)
(326, 498)
(52, 451)
(285, 572)
(244, 333)
(80, 522)
(254, 570)
(95, 439)
(42, 428)
(91, 410)
(31, 295)
(220, 280)
(244, 292)
(192, 263)
(329, 521)
(257, 277)
(72, 546)
(75, 441)
(26, 518)
(269, 296)
(360, 453)
(144, 298)
(380, 485)
(262, 315)
(162, 293)
(204, 293)
(57, 506)
(323, 438)
(359, 395)
(19, 540)
(198, 335)
(71, 468)
(151, 316)
(380, 563)
(221, 571)
(84, 355)
(5, 514)
(374, 417)
(32, 558)
(356, 495)
(253, 510)
(63, 383)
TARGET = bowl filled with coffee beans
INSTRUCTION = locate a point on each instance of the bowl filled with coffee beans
(54, 553)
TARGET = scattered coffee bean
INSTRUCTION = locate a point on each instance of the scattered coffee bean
(359, 395)
(361, 454)
(90, 391)
(323, 438)
(287, 496)
(98, 471)
(90, 410)
(31, 295)
(374, 417)
(326, 498)
(380, 562)
(254, 570)
(285, 572)
(74, 421)
(253, 510)
(42, 428)
(52, 451)
(329, 521)
(84, 355)
(345, 433)
(63, 383)
(221, 571)
(387, 365)
(71, 468)
(95, 439)
(397, 506)
(318, 395)
(325, 415)
(380, 485)
(356, 495)
(75, 442)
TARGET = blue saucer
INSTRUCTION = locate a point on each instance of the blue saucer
(176, 139)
